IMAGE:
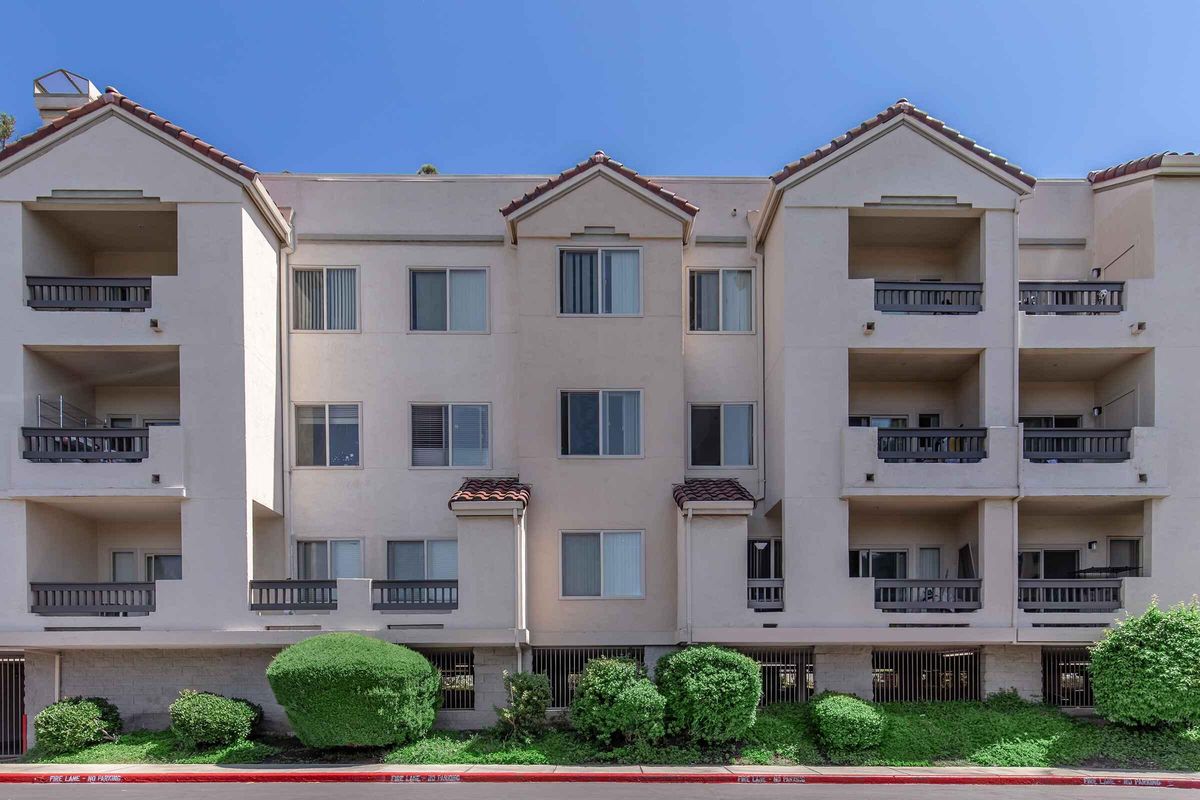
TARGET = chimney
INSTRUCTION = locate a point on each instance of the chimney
(57, 92)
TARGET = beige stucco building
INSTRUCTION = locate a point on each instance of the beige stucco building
(898, 419)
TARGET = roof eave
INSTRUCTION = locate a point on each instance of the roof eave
(718, 507)
(487, 508)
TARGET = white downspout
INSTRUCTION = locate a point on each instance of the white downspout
(687, 583)
(57, 676)
(519, 592)
(1016, 412)
(286, 405)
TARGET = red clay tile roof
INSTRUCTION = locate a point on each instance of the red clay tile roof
(599, 159)
(710, 490)
(902, 106)
(492, 489)
(1129, 167)
(112, 97)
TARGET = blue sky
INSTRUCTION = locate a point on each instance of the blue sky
(671, 88)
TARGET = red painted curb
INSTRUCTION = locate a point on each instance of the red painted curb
(284, 776)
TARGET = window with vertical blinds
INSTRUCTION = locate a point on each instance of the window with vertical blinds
(721, 300)
(722, 435)
(327, 435)
(423, 559)
(325, 299)
(450, 435)
(602, 564)
(452, 299)
(601, 423)
(601, 281)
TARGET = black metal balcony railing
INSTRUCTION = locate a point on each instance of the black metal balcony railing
(414, 595)
(67, 445)
(1077, 444)
(764, 594)
(927, 297)
(86, 599)
(946, 445)
(927, 594)
(293, 595)
(1069, 594)
(88, 294)
(1072, 297)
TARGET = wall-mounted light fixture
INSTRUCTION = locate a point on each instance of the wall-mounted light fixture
(1143, 477)
(154, 326)
(868, 328)
(1093, 544)
(870, 477)
(1136, 328)
(1096, 272)
(1097, 411)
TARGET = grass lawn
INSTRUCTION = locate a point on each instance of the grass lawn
(1000, 732)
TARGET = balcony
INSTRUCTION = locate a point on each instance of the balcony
(1061, 298)
(1089, 445)
(91, 599)
(764, 594)
(931, 445)
(85, 445)
(920, 594)
(82, 293)
(924, 297)
(414, 595)
(293, 595)
(1069, 594)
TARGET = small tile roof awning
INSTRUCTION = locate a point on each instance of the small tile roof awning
(599, 159)
(903, 107)
(112, 97)
(711, 490)
(1152, 161)
(495, 490)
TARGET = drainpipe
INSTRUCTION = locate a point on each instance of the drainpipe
(687, 583)
(519, 580)
(285, 395)
(762, 377)
(57, 676)
(1016, 411)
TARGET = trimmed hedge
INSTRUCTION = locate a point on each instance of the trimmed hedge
(712, 693)
(613, 699)
(845, 723)
(529, 698)
(74, 723)
(349, 690)
(1146, 670)
(201, 718)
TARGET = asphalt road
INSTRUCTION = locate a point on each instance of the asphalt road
(577, 791)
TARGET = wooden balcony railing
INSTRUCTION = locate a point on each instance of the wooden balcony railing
(414, 595)
(1072, 297)
(764, 594)
(66, 445)
(87, 599)
(88, 294)
(1069, 594)
(927, 594)
(927, 297)
(1077, 444)
(953, 445)
(293, 595)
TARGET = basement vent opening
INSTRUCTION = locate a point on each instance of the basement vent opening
(1070, 625)
(70, 628)
(430, 626)
(293, 627)
(930, 625)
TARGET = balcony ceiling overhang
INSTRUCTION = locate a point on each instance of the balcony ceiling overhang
(1074, 365)
(115, 366)
(910, 366)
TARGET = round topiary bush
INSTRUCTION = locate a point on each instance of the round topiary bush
(201, 719)
(846, 723)
(74, 723)
(712, 693)
(613, 699)
(1146, 670)
(349, 690)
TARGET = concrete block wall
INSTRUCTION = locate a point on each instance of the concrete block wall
(1013, 667)
(490, 663)
(843, 668)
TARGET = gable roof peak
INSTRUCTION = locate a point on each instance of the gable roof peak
(904, 107)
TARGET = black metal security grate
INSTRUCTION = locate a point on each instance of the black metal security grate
(12, 705)
(457, 668)
(563, 666)
(787, 673)
(1066, 681)
(925, 675)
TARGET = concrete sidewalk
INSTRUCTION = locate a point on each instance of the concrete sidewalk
(450, 773)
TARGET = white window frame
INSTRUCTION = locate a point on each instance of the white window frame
(754, 432)
(599, 251)
(601, 531)
(328, 540)
(641, 422)
(721, 301)
(426, 542)
(324, 268)
(327, 403)
(487, 304)
(449, 434)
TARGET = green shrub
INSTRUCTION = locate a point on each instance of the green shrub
(528, 699)
(349, 690)
(1146, 670)
(712, 693)
(257, 723)
(200, 719)
(614, 700)
(74, 723)
(845, 723)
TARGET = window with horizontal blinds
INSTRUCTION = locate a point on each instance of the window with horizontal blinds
(430, 436)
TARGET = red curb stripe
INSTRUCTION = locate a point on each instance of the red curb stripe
(593, 777)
